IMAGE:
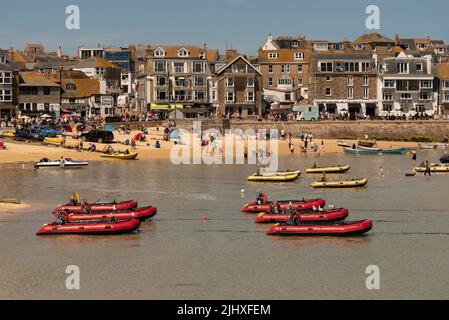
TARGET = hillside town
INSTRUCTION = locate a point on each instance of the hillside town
(290, 78)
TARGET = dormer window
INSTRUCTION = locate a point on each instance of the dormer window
(272, 55)
(419, 66)
(183, 52)
(160, 53)
(299, 56)
(358, 47)
(295, 44)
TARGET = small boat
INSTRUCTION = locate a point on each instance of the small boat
(121, 155)
(7, 134)
(340, 184)
(91, 227)
(274, 177)
(98, 206)
(350, 228)
(343, 144)
(140, 213)
(336, 169)
(436, 168)
(306, 215)
(427, 146)
(444, 159)
(365, 150)
(66, 163)
(365, 143)
(255, 207)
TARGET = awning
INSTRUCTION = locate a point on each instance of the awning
(299, 108)
(155, 106)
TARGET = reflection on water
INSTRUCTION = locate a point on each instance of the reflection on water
(200, 246)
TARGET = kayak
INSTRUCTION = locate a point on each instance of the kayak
(274, 177)
(67, 163)
(350, 228)
(140, 213)
(53, 140)
(339, 184)
(365, 150)
(435, 169)
(329, 215)
(98, 206)
(97, 228)
(337, 169)
(365, 143)
(284, 205)
(122, 156)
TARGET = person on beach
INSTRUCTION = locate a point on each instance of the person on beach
(414, 156)
(292, 148)
(428, 171)
(323, 177)
(381, 171)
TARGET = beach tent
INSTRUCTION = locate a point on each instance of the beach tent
(175, 134)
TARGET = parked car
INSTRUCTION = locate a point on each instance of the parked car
(29, 134)
(45, 131)
(97, 136)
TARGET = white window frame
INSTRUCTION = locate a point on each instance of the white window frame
(446, 97)
(300, 68)
(366, 93)
(366, 81)
(430, 82)
(183, 52)
(392, 82)
(250, 82)
(406, 96)
(330, 92)
(253, 96)
(421, 68)
(285, 68)
(298, 55)
(159, 53)
(350, 92)
(273, 55)
(429, 96)
(350, 81)
(270, 82)
(229, 82)
(227, 96)
(270, 69)
(403, 68)
(387, 96)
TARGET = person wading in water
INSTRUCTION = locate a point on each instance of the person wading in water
(427, 169)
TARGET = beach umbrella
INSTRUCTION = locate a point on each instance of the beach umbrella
(67, 115)
(46, 116)
(25, 117)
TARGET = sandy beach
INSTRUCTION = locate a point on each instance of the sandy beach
(18, 152)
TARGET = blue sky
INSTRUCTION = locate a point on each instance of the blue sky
(242, 24)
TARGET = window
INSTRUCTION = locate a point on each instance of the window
(387, 108)
(270, 82)
(406, 96)
(250, 96)
(326, 66)
(295, 44)
(270, 68)
(365, 66)
(300, 68)
(285, 68)
(388, 97)
(161, 95)
(328, 77)
(272, 55)
(359, 47)
(352, 66)
(229, 82)
(285, 81)
(159, 66)
(198, 67)
(199, 81)
(350, 81)
(299, 56)
(214, 95)
(446, 84)
(200, 95)
(389, 84)
(424, 96)
(426, 84)
(180, 82)
(365, 80)
(446, 97)
(402, 68)
(419, 66)
(179, 67)
(28, 91)
(250, 82)
(350, 92)
(5, 95)
(6, 78)
(161, 81)
(230, 96)
(288, 96)
(46, 91)
(159, 52)
(365, 93)
(328, 92)
(300, 82)
(183, 52)
(71, 86)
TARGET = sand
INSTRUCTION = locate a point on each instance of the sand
(18, 152)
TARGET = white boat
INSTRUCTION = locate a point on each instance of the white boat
(64, 163)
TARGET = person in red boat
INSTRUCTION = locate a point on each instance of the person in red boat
(262, 198)
(293, 220)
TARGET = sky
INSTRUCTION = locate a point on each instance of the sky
(222, 24)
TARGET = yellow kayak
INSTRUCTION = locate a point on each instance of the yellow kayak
(433, 169)
(123, 156)
(339, 184)
(8, 134)
(339, 169)
(274, 177)
(53, 140)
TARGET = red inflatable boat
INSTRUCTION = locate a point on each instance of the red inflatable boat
(139, 213)
(96, 207)
(329, 215)
(95, 228)
(351, 228)
(284, 205)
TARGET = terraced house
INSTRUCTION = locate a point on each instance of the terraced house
(407, 86)
(344, 83)
(173, 77)
(443, 92)
(285, 66)
(8, 101)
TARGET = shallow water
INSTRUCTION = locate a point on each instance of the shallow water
(179, 255)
